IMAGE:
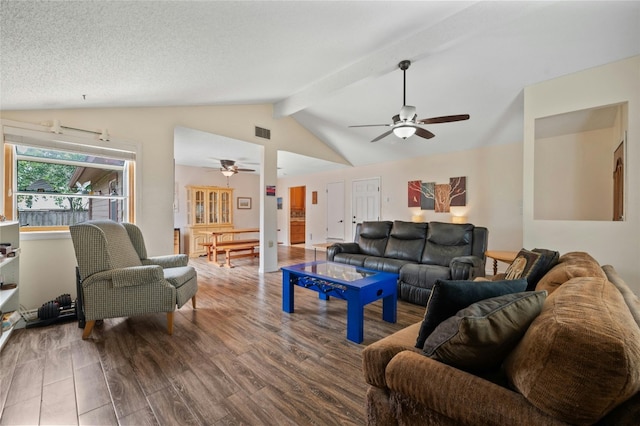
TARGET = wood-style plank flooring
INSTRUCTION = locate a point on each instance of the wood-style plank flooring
(236, 359)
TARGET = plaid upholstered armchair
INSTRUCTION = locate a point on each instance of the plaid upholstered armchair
(117, 279)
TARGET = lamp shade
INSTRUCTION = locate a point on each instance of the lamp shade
(458, 219)
(404, 131)
(228, 173)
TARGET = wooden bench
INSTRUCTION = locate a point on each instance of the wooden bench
(213, 249)
(229, 247)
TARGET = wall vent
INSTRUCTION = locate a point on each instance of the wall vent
(263, 133)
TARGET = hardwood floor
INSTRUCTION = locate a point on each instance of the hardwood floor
(237, 359)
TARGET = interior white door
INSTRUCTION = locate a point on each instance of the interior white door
(335, 211)
(365, 200)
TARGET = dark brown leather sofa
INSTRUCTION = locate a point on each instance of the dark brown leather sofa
(420, 253)
(576, 364)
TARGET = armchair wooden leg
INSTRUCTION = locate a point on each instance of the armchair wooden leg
(170, 323)
(193, 301)
(87, 329)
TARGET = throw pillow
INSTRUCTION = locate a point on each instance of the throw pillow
(548, 259)
(481, 336)
(522, 264)
(448, 297)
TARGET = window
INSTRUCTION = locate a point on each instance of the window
(54, 184)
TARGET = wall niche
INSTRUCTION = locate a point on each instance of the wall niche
(579, 161)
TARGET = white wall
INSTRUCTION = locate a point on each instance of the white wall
(615, 243)
(573, 176)
(494, 192)
(47, 270)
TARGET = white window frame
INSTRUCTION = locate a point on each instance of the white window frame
(26, 134)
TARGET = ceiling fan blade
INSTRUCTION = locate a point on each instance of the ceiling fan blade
(245, 170)
(384, 135)
(424, 133)
(444, 119)
(372, 125)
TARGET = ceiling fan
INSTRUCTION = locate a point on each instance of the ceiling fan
(406, 124)
(229, 168)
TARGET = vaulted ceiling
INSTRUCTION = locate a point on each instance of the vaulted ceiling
(327, 64)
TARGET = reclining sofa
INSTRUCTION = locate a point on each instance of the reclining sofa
(420, 253)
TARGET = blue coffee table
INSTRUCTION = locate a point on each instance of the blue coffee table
(356, 285)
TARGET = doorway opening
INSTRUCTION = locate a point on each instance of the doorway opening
(297, 212)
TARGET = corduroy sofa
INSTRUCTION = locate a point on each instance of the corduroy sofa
(577, 363)
(420, 253)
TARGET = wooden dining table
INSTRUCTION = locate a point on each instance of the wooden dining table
(218, 245)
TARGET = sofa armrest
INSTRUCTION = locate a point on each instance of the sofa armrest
(376, 356)
(466, 267)
(167, 261)
(342, 248)
(127, 277)
(460, 396)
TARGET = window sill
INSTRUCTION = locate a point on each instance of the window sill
(45, 235)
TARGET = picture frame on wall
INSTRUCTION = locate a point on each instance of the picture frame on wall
(244, 202)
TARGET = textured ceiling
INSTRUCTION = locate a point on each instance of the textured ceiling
(328, 64)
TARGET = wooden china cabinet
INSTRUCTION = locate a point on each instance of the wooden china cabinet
(209, 209)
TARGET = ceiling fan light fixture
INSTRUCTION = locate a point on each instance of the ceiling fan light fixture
(404, 131)
(407, 113)
(228, 173)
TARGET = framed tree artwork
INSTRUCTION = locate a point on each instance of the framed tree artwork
(438, 196)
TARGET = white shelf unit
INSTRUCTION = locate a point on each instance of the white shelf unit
(10, 271)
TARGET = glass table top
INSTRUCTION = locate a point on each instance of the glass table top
(337, 271)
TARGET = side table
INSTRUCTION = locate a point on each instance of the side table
(317, 246)
(502, 256)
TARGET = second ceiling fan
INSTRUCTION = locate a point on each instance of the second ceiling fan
(406, 123)
(229, 168)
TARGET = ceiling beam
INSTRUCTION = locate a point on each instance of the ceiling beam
(479, 17)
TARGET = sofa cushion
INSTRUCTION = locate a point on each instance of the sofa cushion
(424, 276)
(122, 254)
(354, 259)
(448, 297)
(373, 237)
(580, 357)
(416, 281)
(450, 234)
(179, 275)
(480, 336)
(570, 265)
(406, 241)
(446, 241)
(384, 264)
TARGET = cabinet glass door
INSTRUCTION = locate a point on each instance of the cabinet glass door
(225, 207)
(199, 207)
(213, 207)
